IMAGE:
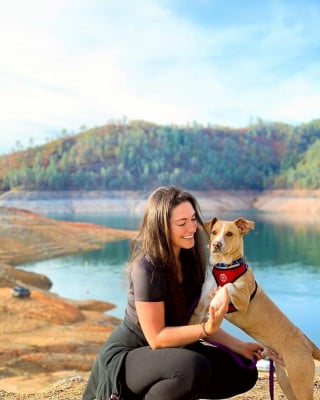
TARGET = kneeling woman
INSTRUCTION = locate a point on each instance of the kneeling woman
(154, 354)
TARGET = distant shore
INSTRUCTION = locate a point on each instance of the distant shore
(289, 203)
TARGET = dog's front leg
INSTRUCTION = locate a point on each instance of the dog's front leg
(239, 295)
(241, 290)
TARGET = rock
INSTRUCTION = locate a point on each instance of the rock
(43, 335)
(11, 276)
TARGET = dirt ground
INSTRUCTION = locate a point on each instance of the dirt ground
(47, 343)
(72, 387)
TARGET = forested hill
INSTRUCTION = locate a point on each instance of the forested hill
(141, 155)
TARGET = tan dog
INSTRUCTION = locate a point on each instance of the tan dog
(254, 312)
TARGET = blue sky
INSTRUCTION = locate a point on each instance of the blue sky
(69, 63)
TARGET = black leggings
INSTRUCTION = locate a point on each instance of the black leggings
(193, 372)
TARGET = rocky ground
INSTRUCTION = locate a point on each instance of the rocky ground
(43, 337)
(71, 388)
(48, 343)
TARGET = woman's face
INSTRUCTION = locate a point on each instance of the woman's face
(183, 225)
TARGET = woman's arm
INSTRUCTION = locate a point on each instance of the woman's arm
(151, 316)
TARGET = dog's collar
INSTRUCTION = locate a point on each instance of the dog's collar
(234, 263)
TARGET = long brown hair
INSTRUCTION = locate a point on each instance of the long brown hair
(153, 239)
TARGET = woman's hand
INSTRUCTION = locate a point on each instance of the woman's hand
(217, 310)
(251, 350)
(268, 353)
(255, 350)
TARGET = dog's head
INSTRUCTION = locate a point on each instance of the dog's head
(226, 242)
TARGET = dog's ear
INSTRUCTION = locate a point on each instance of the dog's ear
(244, 225)
(209, 224)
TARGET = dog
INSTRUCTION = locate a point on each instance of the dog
(253, 311)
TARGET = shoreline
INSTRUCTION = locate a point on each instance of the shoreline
(293, 202)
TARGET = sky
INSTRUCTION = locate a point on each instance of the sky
(66, 64)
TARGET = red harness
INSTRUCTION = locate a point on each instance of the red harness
(225, 275)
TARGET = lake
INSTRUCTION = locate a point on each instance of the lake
(283, 256)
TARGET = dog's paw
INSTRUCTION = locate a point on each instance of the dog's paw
(220, 300)
(232, 289)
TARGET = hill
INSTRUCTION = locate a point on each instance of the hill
(141, 156)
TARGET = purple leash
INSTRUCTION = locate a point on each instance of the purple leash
(252, 365)
(235, 356)
(271, 379)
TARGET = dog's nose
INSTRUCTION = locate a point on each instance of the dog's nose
(216, 245)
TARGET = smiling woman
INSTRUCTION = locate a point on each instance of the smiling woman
(166, 270)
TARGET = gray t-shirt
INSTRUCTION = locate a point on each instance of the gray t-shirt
(146, 284)
(155, 283)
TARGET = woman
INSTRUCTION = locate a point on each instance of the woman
(154, 354)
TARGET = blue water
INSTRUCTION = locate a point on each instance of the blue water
(285, 260)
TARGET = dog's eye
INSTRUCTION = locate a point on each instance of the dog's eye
(214, 232)
(229, 234)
